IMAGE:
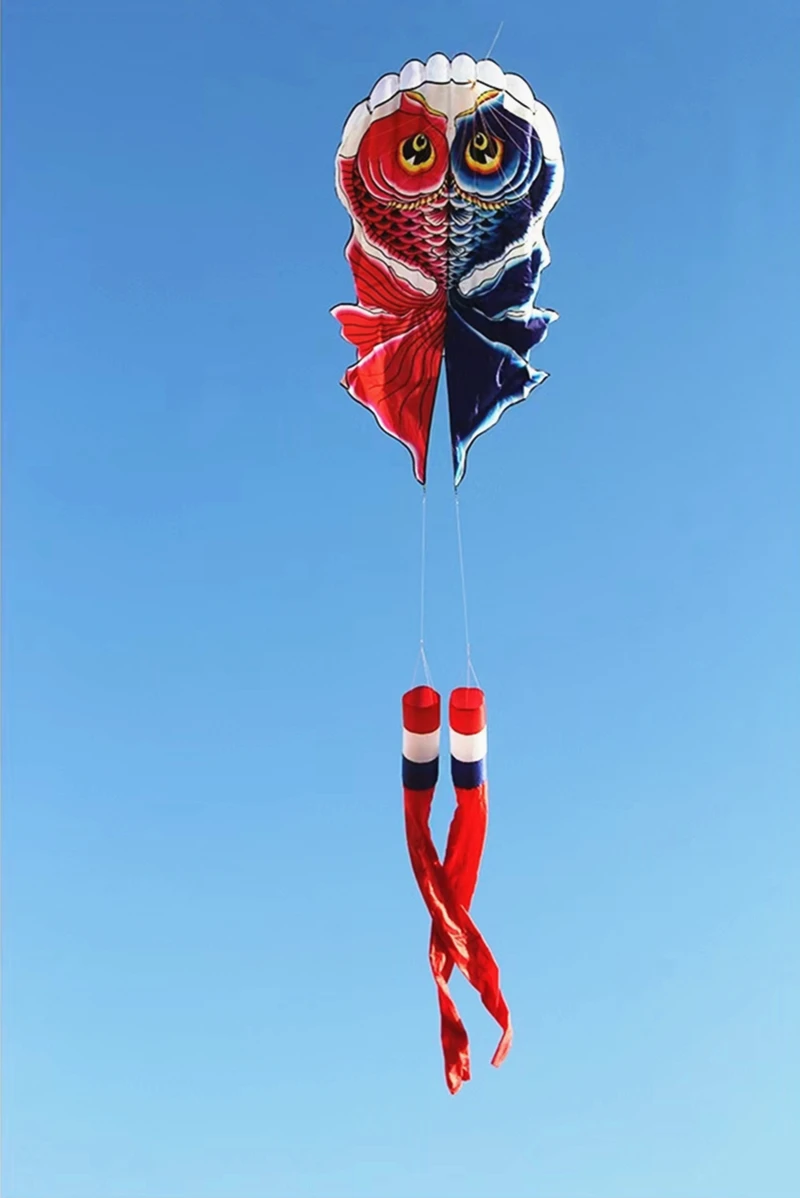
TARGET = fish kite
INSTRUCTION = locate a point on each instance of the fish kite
(448, 171)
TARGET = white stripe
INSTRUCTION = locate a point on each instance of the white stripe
(420, 746)
(468, 748)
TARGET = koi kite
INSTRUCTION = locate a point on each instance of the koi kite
(448, 171)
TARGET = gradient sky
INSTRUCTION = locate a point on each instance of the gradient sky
(215, 974)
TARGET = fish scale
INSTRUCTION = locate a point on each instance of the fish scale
(415, 236)
(470, 228)
(445, 237)
(479, 235)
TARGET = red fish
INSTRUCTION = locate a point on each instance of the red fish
(395, 188)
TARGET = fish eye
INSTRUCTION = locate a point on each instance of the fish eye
(484, 153)
(416, 154)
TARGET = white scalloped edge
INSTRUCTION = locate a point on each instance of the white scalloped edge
(462, 70)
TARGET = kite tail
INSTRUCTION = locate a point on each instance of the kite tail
(455, 1042)
(421, 732)
(454, 932)
(462, 861)
(468, 743)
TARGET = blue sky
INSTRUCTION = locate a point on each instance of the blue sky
(215, 981)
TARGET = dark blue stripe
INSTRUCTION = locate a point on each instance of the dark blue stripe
(468, 774)
(420, 775)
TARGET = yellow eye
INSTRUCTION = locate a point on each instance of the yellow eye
(484, 153)
(416, 154)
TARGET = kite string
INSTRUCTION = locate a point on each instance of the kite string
(421, 656)
(494, 39)
(471, 675)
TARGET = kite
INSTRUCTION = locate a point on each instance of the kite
(448, 171)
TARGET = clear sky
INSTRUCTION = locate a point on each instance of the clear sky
(215, 973)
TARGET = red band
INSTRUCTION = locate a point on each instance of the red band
(421, 710)
(467, 710)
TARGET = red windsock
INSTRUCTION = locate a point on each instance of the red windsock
(447, 890)
(462, 862)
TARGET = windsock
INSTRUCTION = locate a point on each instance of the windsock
(447, 889)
